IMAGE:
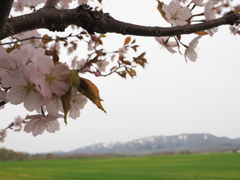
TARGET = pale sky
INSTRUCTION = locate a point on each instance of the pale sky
(168, 97)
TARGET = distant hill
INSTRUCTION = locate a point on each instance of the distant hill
(157, 144)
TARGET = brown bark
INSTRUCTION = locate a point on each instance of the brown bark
(5, 7)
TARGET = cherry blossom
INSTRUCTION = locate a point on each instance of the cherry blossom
(169, 45)
(190, 52)
(3, 134)
(234, 30)
(11, 66)
(64, 3)
(90, 45)
(32, 52)
(77, 103)
(74, 62)
(19, 5)
(97, 74)
(54, 105)
(39, 123)
(50, 78)
(175, 14)
(27, 34)
(30, 76)
(82, 1)
(122, 50)
(102, 65)
(209, 11)
(3, 96)
(210, 14)
(80, 65)
(36, 2)
(113, 57)
(197, 2)
(24, 91)
(18, 123)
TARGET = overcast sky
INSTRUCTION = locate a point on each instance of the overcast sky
(169, 97)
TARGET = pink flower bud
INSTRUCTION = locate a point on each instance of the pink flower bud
(86, 69)
(97, 74)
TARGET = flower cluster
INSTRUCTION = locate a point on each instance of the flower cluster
(31, 74)
(178, 15)
(19, 5)
(30, 77)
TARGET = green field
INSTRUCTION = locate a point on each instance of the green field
(174, 167)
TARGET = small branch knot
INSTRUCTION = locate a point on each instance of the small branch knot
(232, 17)
(92, 20)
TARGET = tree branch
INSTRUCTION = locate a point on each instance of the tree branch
(99, 22)
(5, 7)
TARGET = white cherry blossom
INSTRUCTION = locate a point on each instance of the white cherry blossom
(197, 2)
(11, 66)
(210, 14)
(209, 11)
(82, 1)
(29, 34)
(19, 5)
(102, 65)
(3, 96)
(24, 91)
(54, 105)
(50, 78)
(77, 103)
(18, 123)
(169, 45)
(39, 123)
(190, 52)
(175, 14)
(122, 50)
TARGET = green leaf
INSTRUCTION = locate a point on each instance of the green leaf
(74, 78)
(74, 81)
(66, 99)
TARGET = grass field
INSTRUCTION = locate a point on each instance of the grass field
(174, 167)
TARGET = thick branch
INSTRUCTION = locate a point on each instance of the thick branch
(132, 29)
(99, 22)
(5, 7)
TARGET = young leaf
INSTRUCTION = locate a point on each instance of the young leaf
(127, 40)
(127, 62)
(159, 7)
(201, 33)
(46, 39)
(88, 89)
(131, 72)
(75, 79)
(66, 99)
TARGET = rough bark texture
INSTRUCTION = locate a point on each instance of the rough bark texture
(5, 8)
(98, 22)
